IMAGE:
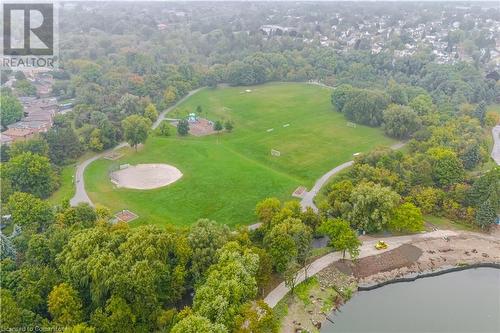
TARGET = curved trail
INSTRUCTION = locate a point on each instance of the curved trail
(80, 192)
(368, 248)
(308, 198)
(495, 152)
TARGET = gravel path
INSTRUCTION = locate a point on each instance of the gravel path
(495, 152)
(308, 198)
(80, 193)
(367, 249)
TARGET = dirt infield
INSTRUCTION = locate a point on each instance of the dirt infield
(146, 176)
(299, 192)
(201, 127)
(126, 216)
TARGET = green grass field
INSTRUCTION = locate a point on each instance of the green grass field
(494, 108)
(226, 175)
(67, 188)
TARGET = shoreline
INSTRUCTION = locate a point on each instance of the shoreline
(425, 258)
(425, 274)
(405, 261)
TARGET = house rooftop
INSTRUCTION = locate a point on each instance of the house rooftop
(5, 139)
(31, 124)
(15, 133)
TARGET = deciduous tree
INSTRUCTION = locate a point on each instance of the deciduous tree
(136, 129)
(291, 237)
(183, 127)
(205, 238)
(342, 237)
(65, 305)
(372, 206)
(29, 211)
(267, 209)
(11, 110)
(400, 121)
(366, 107)
(198, 324)
(229, 284)
(447, 169)
(150, 112)
(256, 316)
(35, 146)
(408, 218)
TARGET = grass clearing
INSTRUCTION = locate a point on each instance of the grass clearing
(226, 175)
(67, 188)
(447, 224)
(302, 291)
(494, 108)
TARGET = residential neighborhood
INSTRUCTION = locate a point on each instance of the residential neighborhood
(455, 33)
(38, 110)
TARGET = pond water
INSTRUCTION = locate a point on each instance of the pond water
(463, 301)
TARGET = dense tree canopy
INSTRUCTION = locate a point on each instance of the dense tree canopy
(365, 106)
(205, 238)
(372, 206)
(30, 173)
(400, 121)
(229, 284)
(65, 306)
(407, 218)
(291, 237)
(198, 324)
(29, 211)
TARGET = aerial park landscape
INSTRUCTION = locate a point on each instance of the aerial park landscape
(255, 147)
(225, 175)
(251, 167)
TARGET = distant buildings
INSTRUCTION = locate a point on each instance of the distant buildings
(410, 33)
(38, 111)
(277, 30)
(16, 134)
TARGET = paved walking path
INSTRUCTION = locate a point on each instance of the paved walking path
(495, 152)
(80, 193)
(366, 250)
(162, 115)
(308, 198)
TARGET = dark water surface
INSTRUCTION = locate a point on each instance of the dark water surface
(464, 301)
